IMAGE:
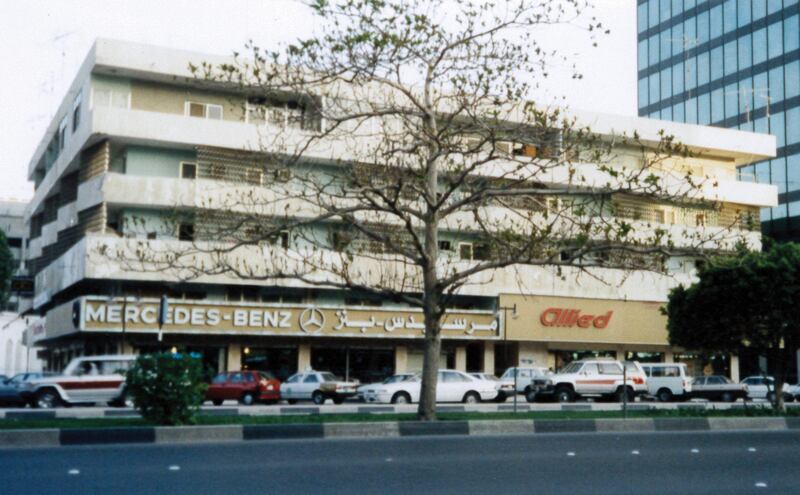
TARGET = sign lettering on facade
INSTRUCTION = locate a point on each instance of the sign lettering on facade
(566, 317)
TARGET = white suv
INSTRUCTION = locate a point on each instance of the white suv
(596, 378)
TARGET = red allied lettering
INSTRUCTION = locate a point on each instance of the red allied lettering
(602, 320)
(550, 317)
(585, 320)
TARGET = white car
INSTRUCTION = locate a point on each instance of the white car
(88, 379)
(399, 377)
(668, 381)
(597, 378)
(763, 387)
(452, 386)
(505, 387)
(317, 386)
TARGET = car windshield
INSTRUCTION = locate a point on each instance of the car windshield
(328, 377)
(571, 368)
(397, 378)
(509, 373)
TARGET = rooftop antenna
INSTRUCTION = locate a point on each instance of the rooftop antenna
(686, 42)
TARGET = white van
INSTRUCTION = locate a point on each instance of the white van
(667, 381)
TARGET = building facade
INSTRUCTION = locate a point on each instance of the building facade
(136, 138)
(734, 64)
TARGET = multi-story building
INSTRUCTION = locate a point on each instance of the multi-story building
(15, 355)
(734, 64)
(137, 138)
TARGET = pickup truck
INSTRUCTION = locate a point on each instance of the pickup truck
(597, 378)
(717, 387)
(317, 386)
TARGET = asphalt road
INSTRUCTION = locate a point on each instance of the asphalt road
(655, 463)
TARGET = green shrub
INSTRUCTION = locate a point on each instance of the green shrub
(167, 389)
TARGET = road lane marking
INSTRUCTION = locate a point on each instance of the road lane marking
(634, 452)
(751, 449)
(761, 484)
(695, 451)
(174, 468)
(73, 472)
(570, 454)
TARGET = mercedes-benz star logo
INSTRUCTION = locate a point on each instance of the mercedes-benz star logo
(312, 320)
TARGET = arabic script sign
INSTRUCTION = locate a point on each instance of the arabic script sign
(201, 317)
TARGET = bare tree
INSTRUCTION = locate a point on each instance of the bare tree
(404, 123)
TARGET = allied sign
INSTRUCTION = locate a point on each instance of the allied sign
(96, 314)
(566, 317)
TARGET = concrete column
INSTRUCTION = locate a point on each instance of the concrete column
(461, 358)
(303, 357)
(234, 357)
(735, 368)
(669, 357)
(400, 359)
(488, 357)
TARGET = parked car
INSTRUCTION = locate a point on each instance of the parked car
(505, 387)
(11, 388)
(667, 381)
(530, 380)
(763, 387)
(399, 377)
(595, 378)
(317, 386)
(452, 386)
(248, 387)
(717, 387)
(88, 379)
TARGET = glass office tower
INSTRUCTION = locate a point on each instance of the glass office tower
(729, 63)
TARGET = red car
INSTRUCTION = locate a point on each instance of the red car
(248, 387)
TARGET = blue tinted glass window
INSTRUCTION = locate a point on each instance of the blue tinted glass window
(652, 48)
(691, 111)
(655, 115)
(793, 125)
(744, 12)
(729, 49)
(643, 92)
(677, 113)
(791, 34)
(776, 84)
(747, 125)
(775, 39)
(731, 100)
(716, 63)
(702, 28)
(773, 6)
(666, 83)
(762, 172)
(677, 79)
(702, 68)
(666, 113)
(746, 95)
(793, 172)
(761, 125)
(678, 41)
(794, 208)
(688, 4)
(729, 15)
(764, 215)
(716, 22)
(760, 90)
(677, 7)
(777, 128)
(746, 174)
(779, 212)
(778, 173)
(652, 13)
(704, 109)
(759, 9)
(788, 3)
(641, 17)
(691, 74)
(654, 86)
(759, 46)
(664, 10)
(690, 30)
(792, 78)
(643, 54)
(666, 44)
(717, 106)
(745, 53)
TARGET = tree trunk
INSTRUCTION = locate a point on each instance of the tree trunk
(430, 365)
(780, 378)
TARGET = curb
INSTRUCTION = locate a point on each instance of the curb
(388, 429)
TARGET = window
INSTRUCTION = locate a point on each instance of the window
(652, 49)
(76, 111)
(654, 88)
(775, 39)
(445, 246)
(641, 17)
(702, 28)
(677, 79)
(743, 12)
(610, 369)
(253, 176)
(62, 133)
(716, 63)
(717, 106)
(702, 69)
(716, 22)
(220, 379)
(188, 170)
(730, 55)
(102, 97)
(311, 379)
(465, 250)
(590, 369)
(729, 15)
(792, 79)
(280, 239)
(775, 85)
(642, 54)
(203, 110)
(151, 236)
(759, 46)
(237, 378)
(791, 34)
(186, 232)
(643, 92)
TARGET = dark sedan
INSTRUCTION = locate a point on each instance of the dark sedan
(10, 388)
(717, 387)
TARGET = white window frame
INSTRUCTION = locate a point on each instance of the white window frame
(187, 105)
(62, 132)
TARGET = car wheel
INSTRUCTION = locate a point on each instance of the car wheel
(530, 395)
(727, 397)
(563, 394)
(625, 394)
(291, 402)
(664, 395)
(501, 397)
(216, 402)
(47, 399)
(247, 399)
(401, 398)
(471, 398)
(318, 398)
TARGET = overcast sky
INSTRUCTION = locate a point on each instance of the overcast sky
(45, 41)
